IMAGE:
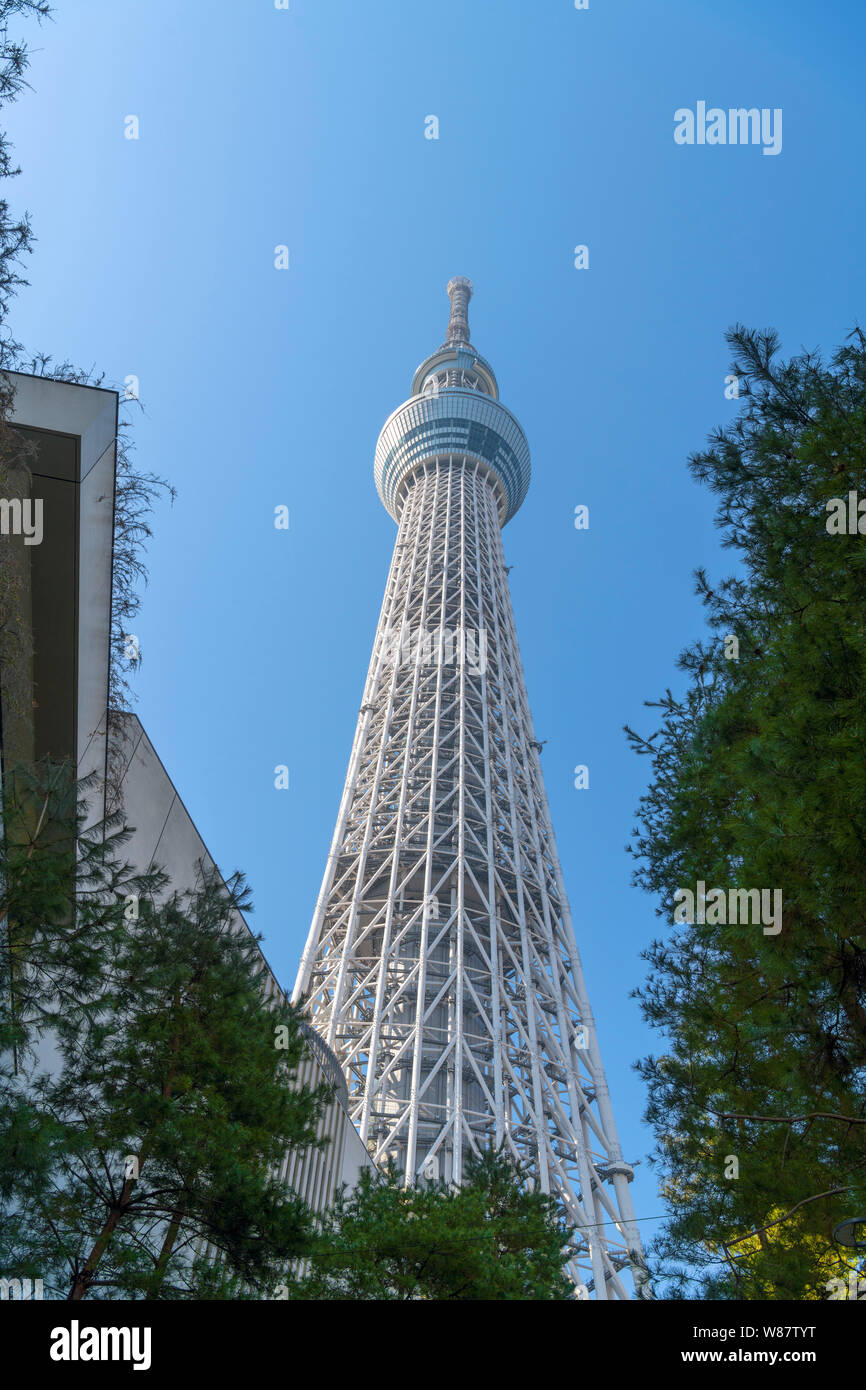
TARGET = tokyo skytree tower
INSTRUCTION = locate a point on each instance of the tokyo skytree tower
(441, 964)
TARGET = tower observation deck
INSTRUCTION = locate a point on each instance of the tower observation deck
(441, 965)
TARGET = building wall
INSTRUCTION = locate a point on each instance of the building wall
(164, 835)
(67, 576)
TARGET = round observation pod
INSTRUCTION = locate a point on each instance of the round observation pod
(454, 411)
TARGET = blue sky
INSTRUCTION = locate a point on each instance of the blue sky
(260, 387)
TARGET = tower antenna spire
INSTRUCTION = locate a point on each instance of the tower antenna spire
(460, 293)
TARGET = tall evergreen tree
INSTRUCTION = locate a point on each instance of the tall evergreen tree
(147, 1088)
(492, 1238)
(759, 781)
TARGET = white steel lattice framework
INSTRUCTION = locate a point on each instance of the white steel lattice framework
(441, 965)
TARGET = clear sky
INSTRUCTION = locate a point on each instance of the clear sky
(261, 127)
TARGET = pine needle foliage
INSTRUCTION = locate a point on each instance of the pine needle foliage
(759, 781)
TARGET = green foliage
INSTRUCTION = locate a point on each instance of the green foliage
(492, 1238)
(144, 1105)
(16, 241)
(759, 780)
(62, 887)
(16, 237)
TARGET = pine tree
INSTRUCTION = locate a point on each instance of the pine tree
(759, 781)
(495, 1237)
(147, 1088)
